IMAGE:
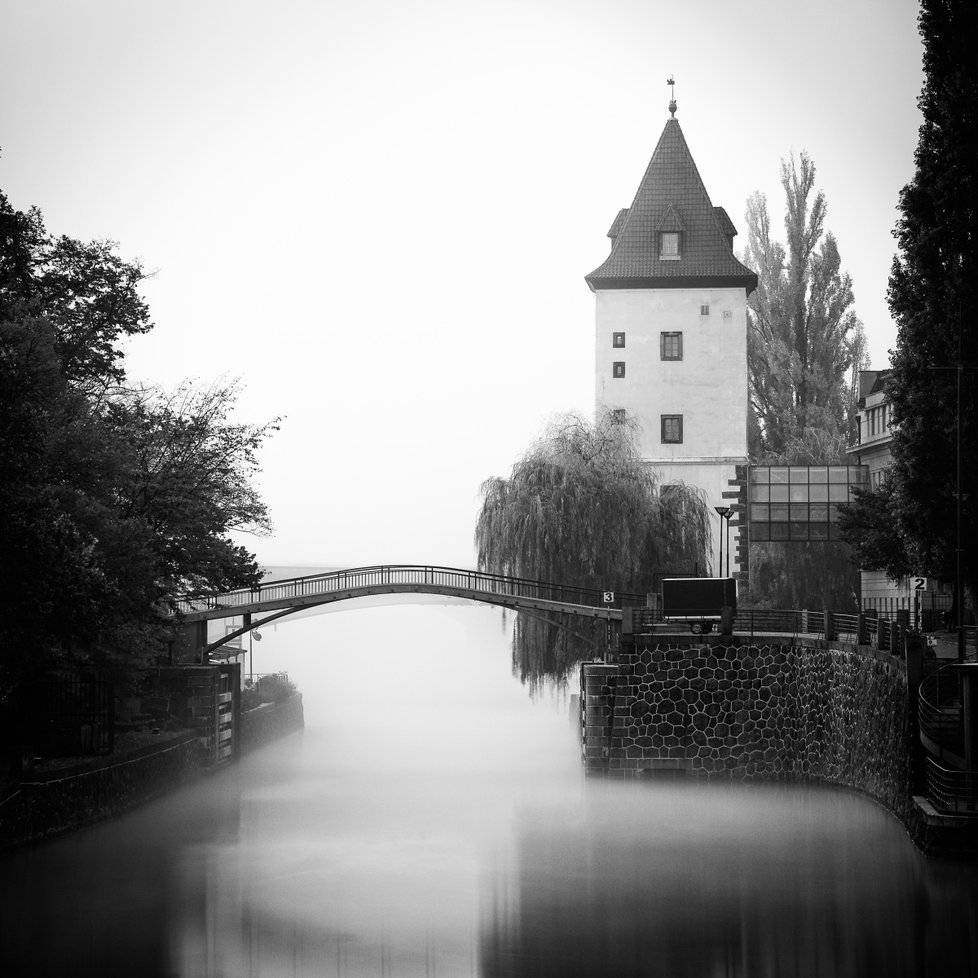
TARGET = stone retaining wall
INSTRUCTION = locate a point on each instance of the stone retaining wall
(52, 802)
(270, 721)
(782, 709)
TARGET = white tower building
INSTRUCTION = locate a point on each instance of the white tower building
(671, 335)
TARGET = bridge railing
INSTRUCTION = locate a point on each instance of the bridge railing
(406, 575)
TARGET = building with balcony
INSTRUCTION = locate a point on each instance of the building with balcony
(873, 448)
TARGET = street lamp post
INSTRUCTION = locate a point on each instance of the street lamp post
(724, 513)
(726, 517)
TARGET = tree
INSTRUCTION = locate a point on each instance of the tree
(582, 508)
(54, 589)
(803, 339)
(804, 345)
(86, 292)
(189, 483)
(933, 295)
(115, 498)
(869, 527)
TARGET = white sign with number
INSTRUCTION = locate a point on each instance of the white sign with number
(609, 597)
(919, 584)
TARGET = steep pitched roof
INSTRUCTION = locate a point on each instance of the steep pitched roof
(671, 190)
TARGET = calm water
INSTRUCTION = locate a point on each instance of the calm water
(433, 820)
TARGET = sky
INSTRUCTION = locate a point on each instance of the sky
(379, 215)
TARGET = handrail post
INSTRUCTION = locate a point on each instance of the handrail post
(896, 635)
(968, 675)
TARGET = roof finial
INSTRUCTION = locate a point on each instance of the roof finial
(672, 100)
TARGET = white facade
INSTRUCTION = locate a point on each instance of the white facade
(706, 387)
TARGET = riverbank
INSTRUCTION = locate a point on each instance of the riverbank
(64, 794)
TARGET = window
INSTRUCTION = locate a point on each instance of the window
(618, 416)
(670, 346)
(705, 310)
(672, 429)
(669, 245)
(618, 340)
(618, 369)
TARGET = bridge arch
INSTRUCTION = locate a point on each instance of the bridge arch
(277, 599)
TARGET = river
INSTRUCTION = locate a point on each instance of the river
(433, 819)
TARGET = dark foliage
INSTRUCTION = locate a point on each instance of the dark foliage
(115, 498)
(933, 294)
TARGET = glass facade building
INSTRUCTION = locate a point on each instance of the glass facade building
(800, 502)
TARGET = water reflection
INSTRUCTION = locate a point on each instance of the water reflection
(759, 881)
(432, 820)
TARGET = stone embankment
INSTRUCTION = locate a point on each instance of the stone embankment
(798, 709)
(60, 796)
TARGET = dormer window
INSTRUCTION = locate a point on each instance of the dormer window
(668, 244)
(670, 231)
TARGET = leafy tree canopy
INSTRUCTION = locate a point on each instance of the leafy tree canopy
(804, 339)
(84, 290)
(116, 498)
(804, 346)
(933, 295)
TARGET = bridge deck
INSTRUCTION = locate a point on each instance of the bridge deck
(318, 589)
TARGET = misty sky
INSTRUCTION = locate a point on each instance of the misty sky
(380, 214)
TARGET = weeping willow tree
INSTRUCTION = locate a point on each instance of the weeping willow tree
(582, 508)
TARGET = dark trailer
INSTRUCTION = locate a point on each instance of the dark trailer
(698, 600)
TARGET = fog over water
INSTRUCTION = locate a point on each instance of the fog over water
(433, 819)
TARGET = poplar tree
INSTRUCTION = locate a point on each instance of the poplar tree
(804, 339)
(804, 346)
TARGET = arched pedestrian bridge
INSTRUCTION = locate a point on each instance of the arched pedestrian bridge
(276, 599)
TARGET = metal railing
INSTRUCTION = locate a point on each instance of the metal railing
(763, 621)
(939, 711)
(950, 790)
(405, 577)
(939, 706)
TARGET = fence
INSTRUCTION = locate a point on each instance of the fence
(951, 790)
(861, 629)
